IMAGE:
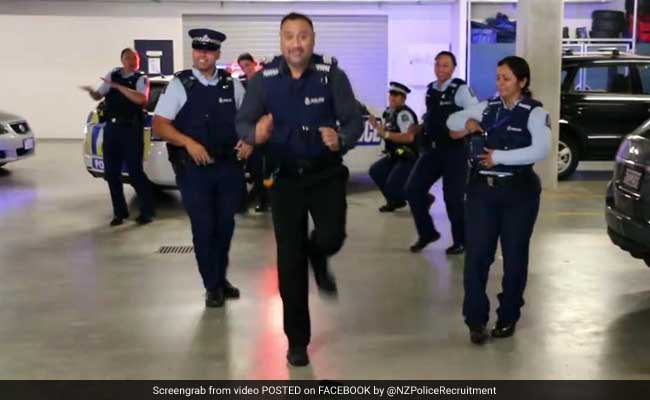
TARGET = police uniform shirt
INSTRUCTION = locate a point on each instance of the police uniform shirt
(404, 120)
(345, 104)
(142, 85)
(464, 98)
(538, 126)
(174, 97)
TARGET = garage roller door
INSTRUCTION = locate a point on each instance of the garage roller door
(360, 43)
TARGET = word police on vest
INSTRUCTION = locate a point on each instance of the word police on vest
(222, 100)
(314, 100)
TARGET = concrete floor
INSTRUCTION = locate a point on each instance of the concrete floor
(79, 300)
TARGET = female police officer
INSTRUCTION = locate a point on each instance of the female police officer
(502, 194)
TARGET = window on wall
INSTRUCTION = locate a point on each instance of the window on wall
(603, 79)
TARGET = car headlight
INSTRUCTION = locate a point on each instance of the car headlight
(3, 129)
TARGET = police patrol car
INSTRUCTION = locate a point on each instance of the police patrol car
(16, 138)
(156, 163)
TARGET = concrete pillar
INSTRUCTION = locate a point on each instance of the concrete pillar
(539, 41)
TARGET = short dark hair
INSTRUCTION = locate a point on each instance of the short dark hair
(294, 16)
(521, 70)
(245, 57)
(448, 54)
(126, 50)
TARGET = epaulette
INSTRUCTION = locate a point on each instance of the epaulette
(187, 78)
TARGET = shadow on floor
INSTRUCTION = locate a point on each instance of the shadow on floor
(360, 183)
(627, 347)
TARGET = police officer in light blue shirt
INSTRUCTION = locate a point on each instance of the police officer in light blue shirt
(125, 91)
(509, 134)
(196, 116)
(440, 157)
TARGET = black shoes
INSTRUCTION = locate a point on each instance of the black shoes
(215, 298)
(422, 243)
(478, 335)
(456, 249)
(297, 356)
(324, 278)
(143, 220)
(390, 207)
(230, 292)
(117, 221)
(503, 331)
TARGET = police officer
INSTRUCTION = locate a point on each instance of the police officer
(502, 195)
(196, 116)
(441, 156)
(302, 104)
(391, 171)
(258, 162)
(125, 91)
(248, 66)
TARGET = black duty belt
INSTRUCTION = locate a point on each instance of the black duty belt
(517, 179)
(297, 168)
(180, 156)
(133, 121)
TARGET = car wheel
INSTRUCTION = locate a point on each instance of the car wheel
(567, 157)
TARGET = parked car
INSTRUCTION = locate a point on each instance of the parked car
(605, 96)
(156, 163)
(17, 140)
(627, 207)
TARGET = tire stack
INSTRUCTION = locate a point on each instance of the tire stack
(608, 24)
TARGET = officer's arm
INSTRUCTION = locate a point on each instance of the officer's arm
(347, 110)
(138, 95)
(100, 92)
(465, 97)
(406, 135)
(170, 103)
(539, 127)
(456, 121)
(251, 110)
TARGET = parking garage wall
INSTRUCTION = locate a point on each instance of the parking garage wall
(52, 47)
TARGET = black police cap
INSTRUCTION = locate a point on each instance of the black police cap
(206, 39)
(399, 88)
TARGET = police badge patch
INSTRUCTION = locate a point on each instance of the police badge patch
(405, 118)
(548, 120)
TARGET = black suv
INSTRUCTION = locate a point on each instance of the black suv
(605, 96)
(628, 195)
